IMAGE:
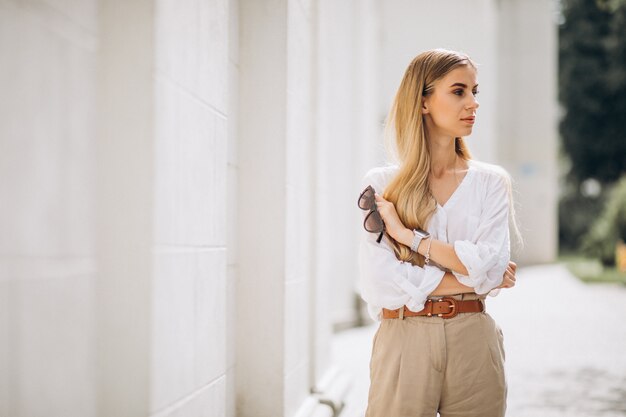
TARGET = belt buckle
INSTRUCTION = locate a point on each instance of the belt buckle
(453, 308)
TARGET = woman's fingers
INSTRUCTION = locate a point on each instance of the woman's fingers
(507, 283)
(511, 280)
(511, 273)
(380, 203)
(381, 206)
(511, 268)
(508, 280)
(390, 216)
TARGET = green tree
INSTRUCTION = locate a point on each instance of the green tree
(609, 227)
(584, 91)
(592, 91)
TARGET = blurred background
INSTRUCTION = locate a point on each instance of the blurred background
(178, 186)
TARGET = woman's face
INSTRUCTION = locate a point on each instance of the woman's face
(447, 109)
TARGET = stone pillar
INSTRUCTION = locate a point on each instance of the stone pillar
(262, 199)
(189, 291)
(47, 252)
(366, 142)
(527, 120)
(283, 314)
(125, 192)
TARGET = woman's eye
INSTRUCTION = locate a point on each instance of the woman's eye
(460, 92)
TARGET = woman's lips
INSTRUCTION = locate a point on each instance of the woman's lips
(470, 120)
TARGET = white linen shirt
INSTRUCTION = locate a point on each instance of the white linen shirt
(475, 219)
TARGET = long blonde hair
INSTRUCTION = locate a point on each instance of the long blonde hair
(406, 140)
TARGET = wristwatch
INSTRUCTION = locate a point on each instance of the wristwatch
(419, 234)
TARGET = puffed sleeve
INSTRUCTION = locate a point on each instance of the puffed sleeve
(385, 281)
(486, 256)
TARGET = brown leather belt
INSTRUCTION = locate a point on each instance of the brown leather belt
(447, 308)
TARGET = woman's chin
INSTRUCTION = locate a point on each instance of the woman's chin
(467, 131)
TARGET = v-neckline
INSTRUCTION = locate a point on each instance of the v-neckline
(465, 179)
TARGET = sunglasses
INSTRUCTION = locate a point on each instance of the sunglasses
(373, 223)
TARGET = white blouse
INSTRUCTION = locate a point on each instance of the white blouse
(475, 219)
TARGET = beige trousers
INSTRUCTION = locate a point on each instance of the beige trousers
(424, 365)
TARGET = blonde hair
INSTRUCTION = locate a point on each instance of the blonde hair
(406, 142)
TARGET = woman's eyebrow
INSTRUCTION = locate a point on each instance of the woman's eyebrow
(461, 85)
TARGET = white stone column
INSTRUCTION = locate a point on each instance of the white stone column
(262, 199)
(232, 207)
(338, 116)
(527, 120)
(366, 142)
(189, 290)
(283, 314)
(47, 253)
(125, 192)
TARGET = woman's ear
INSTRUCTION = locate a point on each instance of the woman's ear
(425, 106)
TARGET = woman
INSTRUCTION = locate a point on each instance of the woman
(446, 223)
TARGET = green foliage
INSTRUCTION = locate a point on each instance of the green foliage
(575, 212)
(592, 271)
(592, 88)
(609, 227)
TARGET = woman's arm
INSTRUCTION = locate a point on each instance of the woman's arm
(384, 280)
(450, 285)
(441, 252)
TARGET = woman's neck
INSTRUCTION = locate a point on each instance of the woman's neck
(444, 159)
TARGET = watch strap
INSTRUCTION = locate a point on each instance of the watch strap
(418, 235)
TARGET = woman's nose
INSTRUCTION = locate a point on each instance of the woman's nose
(474, 103)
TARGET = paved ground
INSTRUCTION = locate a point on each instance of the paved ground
(565, 347)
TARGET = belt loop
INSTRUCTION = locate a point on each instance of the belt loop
(401, 313)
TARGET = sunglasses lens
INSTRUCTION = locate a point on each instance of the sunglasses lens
(374, 223)
(366, 202)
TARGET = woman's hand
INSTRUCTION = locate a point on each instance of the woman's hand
(393, 224)
(509, 276)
